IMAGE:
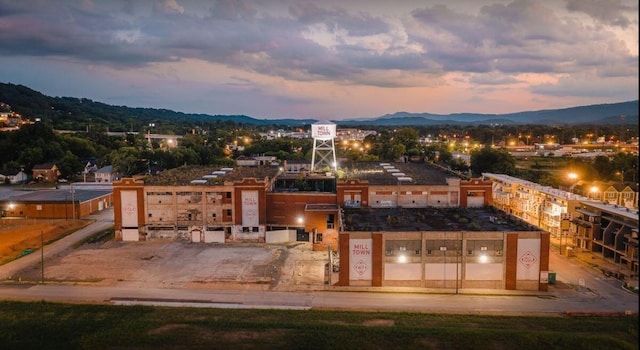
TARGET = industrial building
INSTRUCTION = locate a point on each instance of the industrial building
(61, 203)
(483, 249)
(384, 219)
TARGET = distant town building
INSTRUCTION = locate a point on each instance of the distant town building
(14, 176)
(47, 172)
(105, 174)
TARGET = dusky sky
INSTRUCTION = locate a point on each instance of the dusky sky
(327, 59)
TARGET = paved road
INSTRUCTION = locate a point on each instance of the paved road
(375, 301)
(593, 294)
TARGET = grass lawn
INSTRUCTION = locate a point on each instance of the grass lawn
(43, 325)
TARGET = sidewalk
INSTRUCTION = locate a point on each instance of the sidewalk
(592, 260)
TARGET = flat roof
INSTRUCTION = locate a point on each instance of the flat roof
(376, 174)
(431, 219)
(628, 213)
(184, 175)
(532, 185)
(55, 195)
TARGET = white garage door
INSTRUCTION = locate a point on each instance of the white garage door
(130, 235)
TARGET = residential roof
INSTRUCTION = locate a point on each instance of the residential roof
(107, 169)
(11, 172)
(44, 166)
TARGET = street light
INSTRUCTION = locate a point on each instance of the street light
(594, 191)
(573, 177)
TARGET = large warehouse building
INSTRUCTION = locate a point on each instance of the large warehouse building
(61, 203)
(272, 205)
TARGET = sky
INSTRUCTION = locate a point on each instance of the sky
(326, 60)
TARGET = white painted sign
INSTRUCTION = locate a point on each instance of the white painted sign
(250, 209)
(544, 276)
(528, 266)
(129, 208)
(360, 259)
(323, 131)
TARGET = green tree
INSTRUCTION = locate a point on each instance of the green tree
(80, 146)
(491, 160)
(125, 161)
(603, 166)
(408, 137)
(69, 164)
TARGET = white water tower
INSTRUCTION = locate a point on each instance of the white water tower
(324, 150)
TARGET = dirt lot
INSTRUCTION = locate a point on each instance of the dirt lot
(21, 236)
(172, 264)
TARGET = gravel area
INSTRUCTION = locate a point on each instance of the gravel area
(186, 265)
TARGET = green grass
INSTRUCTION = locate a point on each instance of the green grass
(43, 325)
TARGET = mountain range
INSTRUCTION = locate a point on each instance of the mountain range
(32, 104)
(593, 114)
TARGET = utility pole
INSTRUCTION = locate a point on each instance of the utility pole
(457, 263)
(42, 253)
(73, 203)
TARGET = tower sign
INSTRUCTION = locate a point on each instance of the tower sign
(324, 151)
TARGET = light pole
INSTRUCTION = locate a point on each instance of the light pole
(443, 249)
(398, 196)
(458, 253)
(66, 205)
(42, 253)
(73, 203)
(573, 177)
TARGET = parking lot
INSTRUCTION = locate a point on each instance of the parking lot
(171, 264)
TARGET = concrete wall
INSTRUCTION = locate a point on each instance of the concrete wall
(486, 260)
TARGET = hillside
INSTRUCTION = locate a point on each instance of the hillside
(70, 113)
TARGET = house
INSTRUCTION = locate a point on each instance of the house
(105, 174)
(620, 194)
(47, 172)
(14, 176)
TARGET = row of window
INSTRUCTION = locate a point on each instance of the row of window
(436, 247)
(436, 252)
(229, 213)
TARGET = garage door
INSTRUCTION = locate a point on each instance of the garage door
(130, 235)
(302, 236)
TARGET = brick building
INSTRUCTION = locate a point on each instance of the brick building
(271, 205)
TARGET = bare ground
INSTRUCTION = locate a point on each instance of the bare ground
(170, 264)
(20, 236)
